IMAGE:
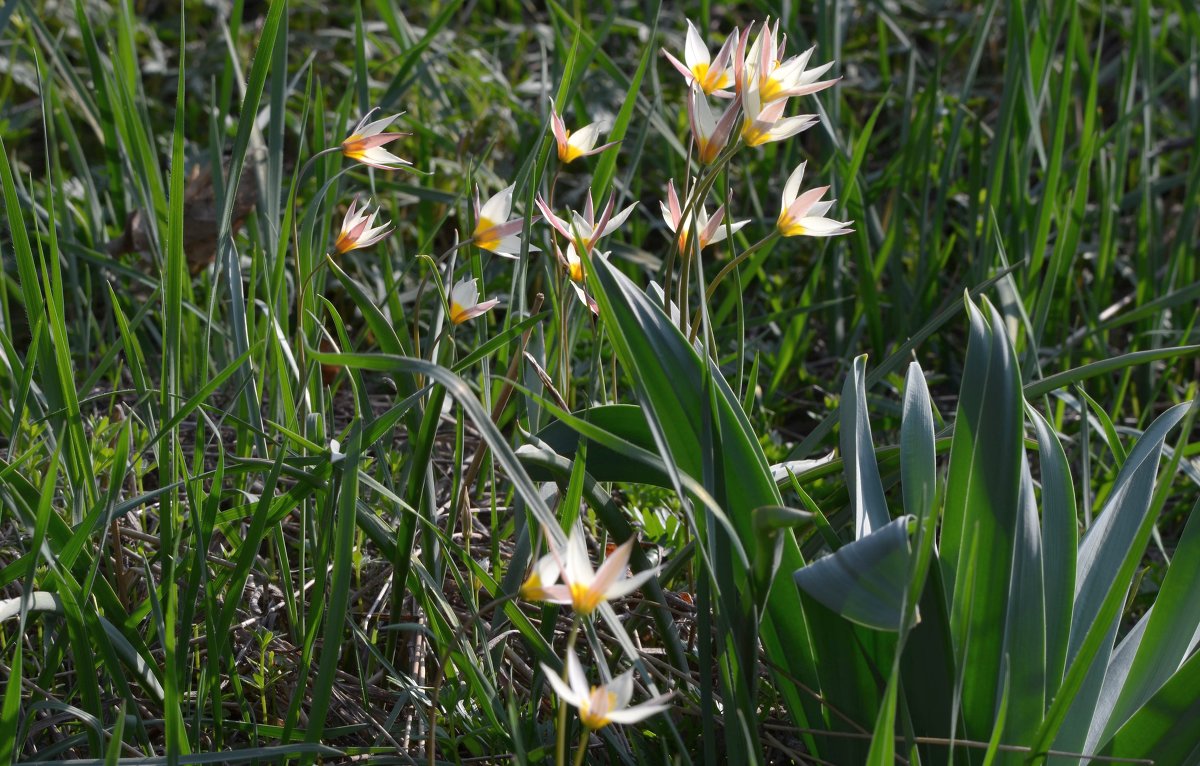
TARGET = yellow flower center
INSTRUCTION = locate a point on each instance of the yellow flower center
(770, 89)
(484, 235)
(584, 599)
(458, 312)
(569, 152)
(532, 590)
(596, 719)
(754, 134)
(344, 243)
(354, 146)
(575, 270)
(790, 227)
(708, 150)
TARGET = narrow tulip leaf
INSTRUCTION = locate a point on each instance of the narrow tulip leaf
(626, 421)
(864, 581)
(862, 472)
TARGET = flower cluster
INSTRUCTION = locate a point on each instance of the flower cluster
(584, 589)
(763, 81)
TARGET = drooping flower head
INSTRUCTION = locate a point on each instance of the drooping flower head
(365, 143)
(464, 301)
(803, 214)
(583, 229)
(358, 230)
(584, 588)
(712, 229)
(699, 69)
(493, 230)
(711, 134)
(601, 705)
(575, 144)
(574, 267)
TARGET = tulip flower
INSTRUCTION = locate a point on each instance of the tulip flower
(493, 230)
(585, 589)
(764, 124)
(711, 229)
(357, 230)
(583, 228)
(776, 78)
(803, 214)
(545, 573)
(365, 143)
(464, 302)
(601, 705)
(711, 134)
(701, 70)
(580, 143)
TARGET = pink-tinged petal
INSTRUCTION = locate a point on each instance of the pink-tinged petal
(824, 227)
(613, 567)
(739, 59)
(679, 65)
(508, 228)
(557, 594)
(790, 126)
(673, 205)
(695, 52)
(600, 148)
(666, 214)
(564, 692)
(377, 127)
(792, 188)
(805, 90)
(371, 142)
(589, 209)
(557, 127)
(561, 226)
(721, 62)
(800, 207)
(586, 300)
(478, 309)
(710, 227)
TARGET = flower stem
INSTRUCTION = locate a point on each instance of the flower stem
(581, 749)
(561, 746)
(729, 267)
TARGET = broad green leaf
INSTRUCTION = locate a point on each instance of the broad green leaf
(864, 581)
(981, 513)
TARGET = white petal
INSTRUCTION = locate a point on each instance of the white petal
(585, 138)
(694, 50)
(615, 222)
(567, 694)
(578, 568)
(792, 188)
(637, 712)
(621, 688)
(817, 226)
(629, 585)
(498, 207)
(575, 675)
